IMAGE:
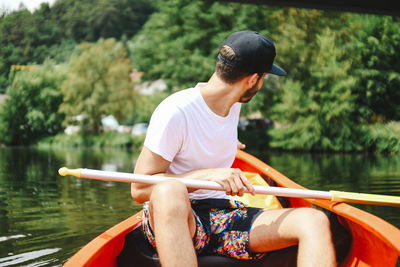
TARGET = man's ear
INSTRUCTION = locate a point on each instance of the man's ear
(252, 80)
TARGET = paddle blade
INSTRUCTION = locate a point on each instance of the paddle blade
(361, 198)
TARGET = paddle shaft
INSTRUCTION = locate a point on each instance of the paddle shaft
(332, 195)
(192, 183)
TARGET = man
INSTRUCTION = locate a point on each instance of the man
(193, 134)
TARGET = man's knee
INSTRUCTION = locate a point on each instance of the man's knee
(314, 222)
(169, 197)
(168, 188)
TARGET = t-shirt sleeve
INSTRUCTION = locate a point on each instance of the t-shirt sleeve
(164, 134)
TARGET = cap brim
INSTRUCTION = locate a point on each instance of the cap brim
(275, 69)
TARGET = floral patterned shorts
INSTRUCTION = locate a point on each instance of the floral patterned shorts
(222, 227)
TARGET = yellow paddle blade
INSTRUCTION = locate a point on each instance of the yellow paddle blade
(259, 201)
(64, 171)
(362, 198)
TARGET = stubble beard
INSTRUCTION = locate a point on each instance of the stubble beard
(248, 95)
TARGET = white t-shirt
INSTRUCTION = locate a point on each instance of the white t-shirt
(186, 132)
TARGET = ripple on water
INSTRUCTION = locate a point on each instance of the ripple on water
(28, 256)
(5, 238)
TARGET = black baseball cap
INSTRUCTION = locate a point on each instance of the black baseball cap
(254, 53)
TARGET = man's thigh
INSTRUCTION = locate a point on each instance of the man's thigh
(170, 201)
(277, 229)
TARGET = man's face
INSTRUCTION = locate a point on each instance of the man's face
(248, 95)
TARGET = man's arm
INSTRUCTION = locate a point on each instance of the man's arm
(150, 163)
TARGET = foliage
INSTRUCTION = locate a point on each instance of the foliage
(30, 112)
(25, 37)
(103, 140)
(331, 58)
(341, 94)
(377, 44)
(145, 105)
(179, 44)
(98, 84)
(88, 20)
(28, 38)
(317, 113)
(61, 53)
(382, 137)
(198, 31)
(295, 33)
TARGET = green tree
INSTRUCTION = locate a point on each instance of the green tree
(25, 38)
(317, 115)
(88, 20)
(12, 52)
(30, 112)
(98, 84)
(376, 45)
(30, 38)
(180, 42)
(295, 32)
(145, 105)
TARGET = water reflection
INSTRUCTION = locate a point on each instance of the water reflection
(45, 218)
(375, 174)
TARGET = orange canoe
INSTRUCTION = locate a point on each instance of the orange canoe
(361, 239)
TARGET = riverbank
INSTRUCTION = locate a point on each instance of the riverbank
(383, 139)
(380, 138)
(102, 140)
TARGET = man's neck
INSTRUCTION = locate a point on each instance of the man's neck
(219, 96)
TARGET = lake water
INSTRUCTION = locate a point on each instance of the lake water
(45, 218)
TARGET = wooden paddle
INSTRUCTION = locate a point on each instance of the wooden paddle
(332, 195)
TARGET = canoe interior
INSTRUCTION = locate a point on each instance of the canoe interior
(361, 239)
(139, 252)
(375, 242)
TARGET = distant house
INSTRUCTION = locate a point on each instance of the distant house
(148, 88)
(71, 129)
(109, 123)
(139, 129)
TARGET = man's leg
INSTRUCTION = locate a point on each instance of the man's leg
(309, 228)
(173, 224)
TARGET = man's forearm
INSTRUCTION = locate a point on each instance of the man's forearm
(233, 180)
(142, 192)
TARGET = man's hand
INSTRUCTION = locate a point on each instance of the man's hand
(233, 181)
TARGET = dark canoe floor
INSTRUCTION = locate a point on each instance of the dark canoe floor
(138, 252)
